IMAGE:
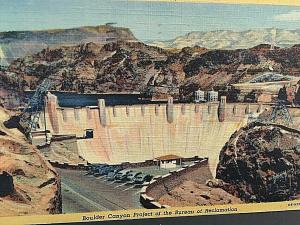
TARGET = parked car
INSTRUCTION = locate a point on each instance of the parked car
(142, 178)
(93, 168)
(121, 175)
(99, 169)
(130, 176)
(111, 175)
(107, 170)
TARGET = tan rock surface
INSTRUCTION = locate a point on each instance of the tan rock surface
(190, 193)
(37, 185)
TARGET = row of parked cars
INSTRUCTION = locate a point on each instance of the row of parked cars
(119, 174)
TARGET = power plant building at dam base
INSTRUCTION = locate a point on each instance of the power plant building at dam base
(136, 133)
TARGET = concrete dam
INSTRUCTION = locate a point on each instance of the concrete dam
(143, 132)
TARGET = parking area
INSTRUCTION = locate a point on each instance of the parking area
(87, 193)
(113, 188)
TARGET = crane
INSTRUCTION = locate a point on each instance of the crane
(30, 115)
(27, 120)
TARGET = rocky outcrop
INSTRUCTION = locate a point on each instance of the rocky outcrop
(11, 94)
(122, 66)
(28, 183)
(193, 194)
(290, 94)
(218, 68)
(89, 68)
(261, 164)
(17, 44)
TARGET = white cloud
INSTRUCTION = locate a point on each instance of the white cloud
(290, 16)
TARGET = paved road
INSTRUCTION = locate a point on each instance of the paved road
(82, 193)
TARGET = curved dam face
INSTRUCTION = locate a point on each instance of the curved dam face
(143, 132)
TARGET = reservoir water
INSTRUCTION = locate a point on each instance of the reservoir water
(72, 99)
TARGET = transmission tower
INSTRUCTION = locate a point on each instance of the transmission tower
(280, 111)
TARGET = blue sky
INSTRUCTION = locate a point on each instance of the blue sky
(147, 20)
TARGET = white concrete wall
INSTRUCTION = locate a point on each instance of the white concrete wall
(134, 135)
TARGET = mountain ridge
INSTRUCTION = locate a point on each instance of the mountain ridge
(136, 67)
(231, 40)
(18, 44)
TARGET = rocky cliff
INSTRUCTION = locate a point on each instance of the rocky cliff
(17, 44)
(110, 59)
(11, 91)
(261, 164)
(134, 66)
(28, 184)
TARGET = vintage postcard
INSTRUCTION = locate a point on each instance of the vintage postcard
(126, 109)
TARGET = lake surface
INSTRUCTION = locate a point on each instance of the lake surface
(71, 99)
